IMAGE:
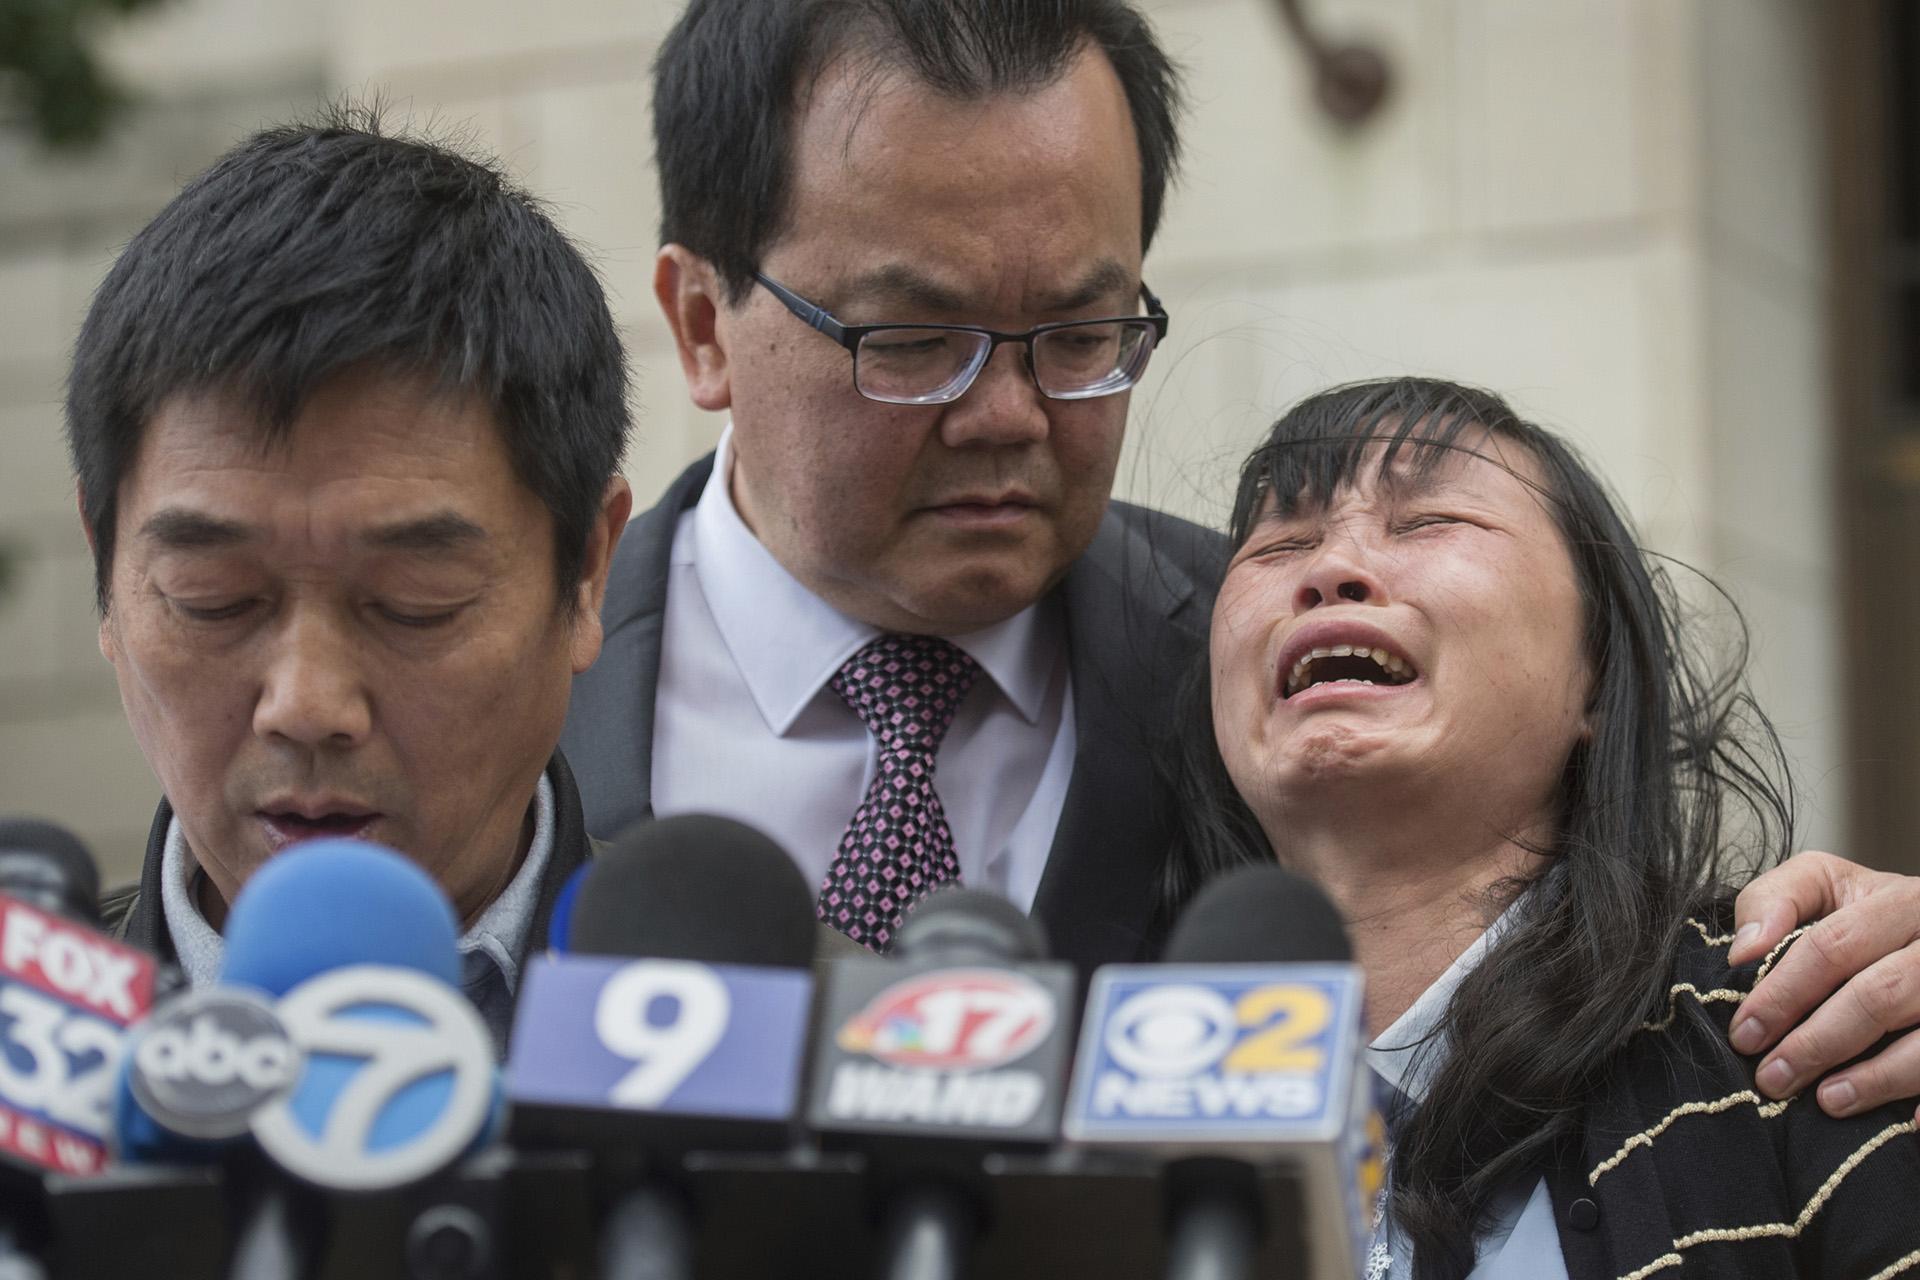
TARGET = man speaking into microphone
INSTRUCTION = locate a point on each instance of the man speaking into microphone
(347, 418)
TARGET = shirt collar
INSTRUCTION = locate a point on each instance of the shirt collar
(1410, 1053)
(499, 934)
(785, 667)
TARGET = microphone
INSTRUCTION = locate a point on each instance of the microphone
(360, 946)
(196, 1071)
(671, 1018)
(336, 1039)
(67, 995)
(48, 868)
(1239, 1055)
(953, 1048)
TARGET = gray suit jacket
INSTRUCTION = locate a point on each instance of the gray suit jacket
(1137, 605)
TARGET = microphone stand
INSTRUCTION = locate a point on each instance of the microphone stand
(647, 1235)
(928, 1234)
(281, 1227)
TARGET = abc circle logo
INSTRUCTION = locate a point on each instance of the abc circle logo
(206, 1063)
(399, 1080)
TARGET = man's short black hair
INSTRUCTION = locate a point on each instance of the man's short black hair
(733, 76)
(313, 249)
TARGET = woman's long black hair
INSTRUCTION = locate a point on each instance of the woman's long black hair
(1680, 785)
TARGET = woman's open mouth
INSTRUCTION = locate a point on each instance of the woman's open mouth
(1346, 664)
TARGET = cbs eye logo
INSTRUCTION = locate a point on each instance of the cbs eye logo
(1167, 1031)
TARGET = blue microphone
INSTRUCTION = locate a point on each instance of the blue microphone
(336, 1039)
(360, 947)
(326, 905)
(329, 904)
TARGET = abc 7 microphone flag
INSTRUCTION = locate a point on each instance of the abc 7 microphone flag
(363, 1078)
(398, 1081)
(67, 997)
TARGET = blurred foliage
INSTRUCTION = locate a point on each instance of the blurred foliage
(50, 78)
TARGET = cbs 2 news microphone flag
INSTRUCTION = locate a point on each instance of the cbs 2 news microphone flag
(1258, 1063)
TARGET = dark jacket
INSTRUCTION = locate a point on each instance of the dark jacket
(1137, 606)
(133, 913)
(1684, 1172)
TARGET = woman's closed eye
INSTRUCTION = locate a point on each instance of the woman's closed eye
(1272, 547)
(1426, 520)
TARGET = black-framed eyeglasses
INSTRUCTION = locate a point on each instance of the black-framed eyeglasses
(936, 363)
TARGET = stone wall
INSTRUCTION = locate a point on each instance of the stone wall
(1607, 209)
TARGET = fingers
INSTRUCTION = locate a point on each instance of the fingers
(1804, 887)
(1831, 951)
(1884, 997)
(1891, 1075)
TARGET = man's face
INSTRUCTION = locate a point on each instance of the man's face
(908, 207)
(355, 632)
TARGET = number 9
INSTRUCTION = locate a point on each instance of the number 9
(666, 1054)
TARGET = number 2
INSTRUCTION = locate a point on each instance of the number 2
(1295, 1015)
(666, 1055)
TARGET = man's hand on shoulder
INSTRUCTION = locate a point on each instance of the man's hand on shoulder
(1852, 978)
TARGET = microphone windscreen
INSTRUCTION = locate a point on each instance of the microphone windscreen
(1259, 915)
(327, 904)
(953, 921)
(695, 887)
(47, 864)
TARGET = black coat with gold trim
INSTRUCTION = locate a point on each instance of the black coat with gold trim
(1685, 1171)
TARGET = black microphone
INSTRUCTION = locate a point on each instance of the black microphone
(68, 994)
(672, 1019)
(952, 1049)
(1239, 1057)
(47, 867)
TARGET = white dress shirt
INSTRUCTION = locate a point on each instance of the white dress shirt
(1521, 1241)
(746, 726)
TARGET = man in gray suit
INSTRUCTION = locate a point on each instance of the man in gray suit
(903, 249)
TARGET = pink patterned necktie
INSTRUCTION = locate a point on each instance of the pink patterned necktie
(905, 689)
